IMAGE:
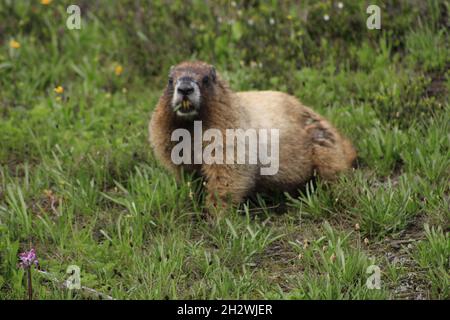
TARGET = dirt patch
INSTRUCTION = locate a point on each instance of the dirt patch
(437, 87)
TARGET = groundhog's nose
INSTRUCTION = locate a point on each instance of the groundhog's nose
(185, 88)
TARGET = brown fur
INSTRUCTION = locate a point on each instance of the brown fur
(309, 144)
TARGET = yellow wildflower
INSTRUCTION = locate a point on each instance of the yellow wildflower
(14, 44)
(46, 2)
(118, 70)
(59, 89)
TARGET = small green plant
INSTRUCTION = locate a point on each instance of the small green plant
(386, 208)
(433, 256)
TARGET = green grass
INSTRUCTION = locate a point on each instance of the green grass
(79, 183)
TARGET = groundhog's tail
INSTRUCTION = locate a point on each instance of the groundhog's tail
(332, 153)
(349, 152)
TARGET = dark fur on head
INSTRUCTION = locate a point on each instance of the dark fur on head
(201, 72)
(211, 89)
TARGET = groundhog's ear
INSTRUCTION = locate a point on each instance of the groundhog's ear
(213, 73)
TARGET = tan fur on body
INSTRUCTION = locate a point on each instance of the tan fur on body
(308, 143)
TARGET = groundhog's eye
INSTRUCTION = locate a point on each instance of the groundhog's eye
(170, 81)
(205, 80)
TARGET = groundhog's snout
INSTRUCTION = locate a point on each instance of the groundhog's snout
(186, 97)
(185, 88)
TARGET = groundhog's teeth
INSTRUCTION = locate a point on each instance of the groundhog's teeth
(185, 104)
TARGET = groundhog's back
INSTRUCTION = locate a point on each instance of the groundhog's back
(308, 142)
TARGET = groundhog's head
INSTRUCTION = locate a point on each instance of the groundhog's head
(189, 86)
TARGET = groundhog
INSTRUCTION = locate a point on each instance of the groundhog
(308, 145)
